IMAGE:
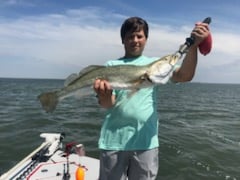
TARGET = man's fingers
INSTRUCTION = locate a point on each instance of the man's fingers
(96, 85)
(107, 85)
(101, 86)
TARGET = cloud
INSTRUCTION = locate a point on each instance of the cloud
(9, 3)
(55, 45)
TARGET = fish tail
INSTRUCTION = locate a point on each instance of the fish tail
(49, 101)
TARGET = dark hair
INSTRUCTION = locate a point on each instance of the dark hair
(134, 24)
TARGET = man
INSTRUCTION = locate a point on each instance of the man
(129, 134)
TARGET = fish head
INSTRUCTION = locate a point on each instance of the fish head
(161, 70)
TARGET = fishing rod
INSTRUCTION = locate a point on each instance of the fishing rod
(204, 48)
(190, 40)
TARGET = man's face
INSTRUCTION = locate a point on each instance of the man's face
(134, 43)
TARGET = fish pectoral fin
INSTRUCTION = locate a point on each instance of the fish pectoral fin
(132, 92)
(142, 81)
(129, 95)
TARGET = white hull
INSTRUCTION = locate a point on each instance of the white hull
(50, 162)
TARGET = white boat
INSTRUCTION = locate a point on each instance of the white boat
(50, 161)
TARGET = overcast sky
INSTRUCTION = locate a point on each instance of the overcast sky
(54, 38)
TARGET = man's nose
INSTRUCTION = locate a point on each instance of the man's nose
(135, 39)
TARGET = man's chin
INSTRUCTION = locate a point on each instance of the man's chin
(136, 53)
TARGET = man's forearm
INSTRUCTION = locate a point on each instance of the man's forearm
(187, 70)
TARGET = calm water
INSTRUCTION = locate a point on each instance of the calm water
(199, 126)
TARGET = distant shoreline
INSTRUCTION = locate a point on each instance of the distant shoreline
(21, 78)
(59, 79)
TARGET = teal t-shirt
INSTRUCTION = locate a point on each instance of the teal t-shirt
(132, 124)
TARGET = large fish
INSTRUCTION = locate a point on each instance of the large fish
(120, 77)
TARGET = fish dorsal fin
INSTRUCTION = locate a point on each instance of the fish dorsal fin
(89, 69)
(70, 79)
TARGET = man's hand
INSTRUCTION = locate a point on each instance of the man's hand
(104, 93)
(200, 32)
